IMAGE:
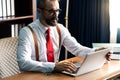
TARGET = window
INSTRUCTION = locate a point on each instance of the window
(114, 19)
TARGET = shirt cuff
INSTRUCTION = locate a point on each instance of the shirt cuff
(50, 67)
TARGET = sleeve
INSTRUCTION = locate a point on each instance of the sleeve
(71, 44)
(24, 54)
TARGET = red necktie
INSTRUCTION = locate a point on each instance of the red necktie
(49, 46)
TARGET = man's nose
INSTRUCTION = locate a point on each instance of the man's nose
(56, 13)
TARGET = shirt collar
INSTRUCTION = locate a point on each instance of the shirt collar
(42, 27)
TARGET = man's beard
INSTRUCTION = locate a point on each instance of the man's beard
(51, 21)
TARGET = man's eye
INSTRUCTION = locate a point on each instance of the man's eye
(51, 11)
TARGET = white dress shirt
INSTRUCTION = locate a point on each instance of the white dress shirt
(26, 49)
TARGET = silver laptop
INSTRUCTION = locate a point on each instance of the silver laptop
(93, 61)
(115, 49)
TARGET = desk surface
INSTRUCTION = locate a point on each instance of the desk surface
(108, 70)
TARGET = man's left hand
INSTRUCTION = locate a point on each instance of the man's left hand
(108, 55)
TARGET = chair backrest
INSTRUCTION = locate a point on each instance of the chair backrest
(8, 57)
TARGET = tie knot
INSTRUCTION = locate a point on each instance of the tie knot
(48, 31)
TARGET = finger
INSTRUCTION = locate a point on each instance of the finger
(108, 55)
(65, 66)
(71, 66)
(68, 70)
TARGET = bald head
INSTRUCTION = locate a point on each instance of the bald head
(41, 3)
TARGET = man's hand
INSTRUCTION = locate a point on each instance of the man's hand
(65, 66)
(107, 56)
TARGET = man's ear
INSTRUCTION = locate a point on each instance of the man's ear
(39, 10)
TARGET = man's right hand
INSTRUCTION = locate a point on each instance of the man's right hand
(65, 66)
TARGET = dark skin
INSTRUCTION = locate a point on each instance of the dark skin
(49, 18)
(108, 55)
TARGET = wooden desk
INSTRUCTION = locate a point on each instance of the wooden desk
(109, 70)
